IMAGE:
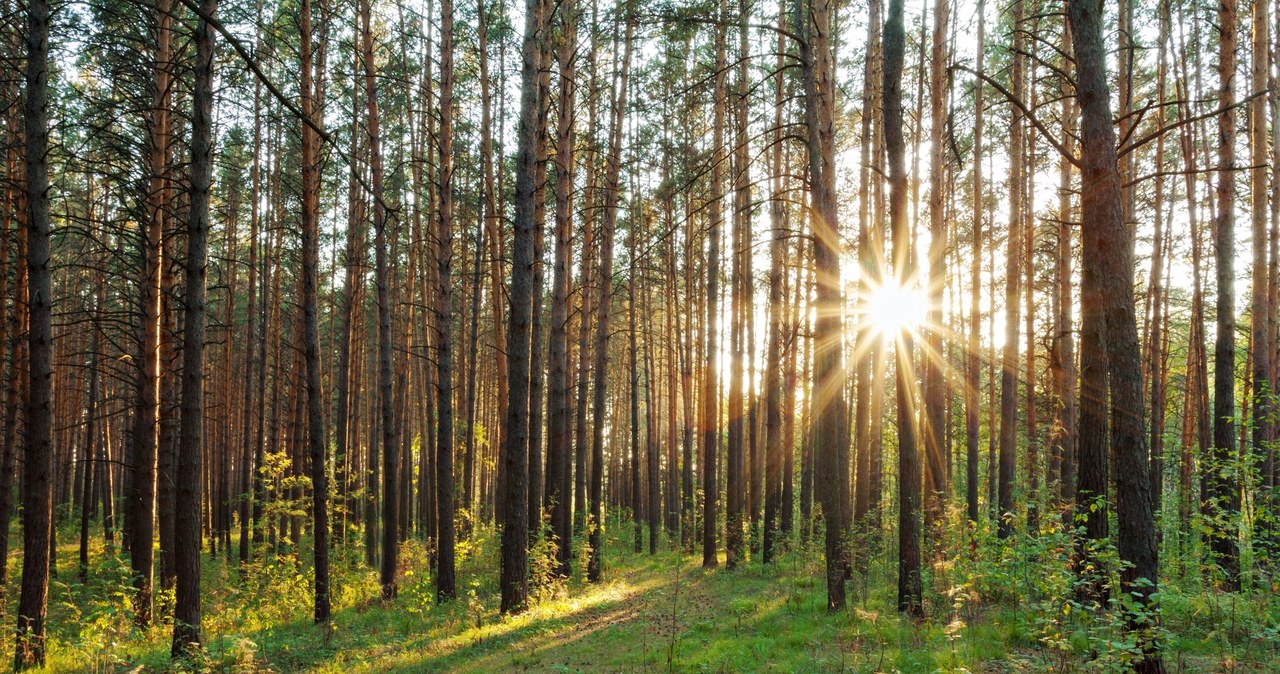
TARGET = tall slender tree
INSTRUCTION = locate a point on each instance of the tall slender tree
(829, 424)
(445, 580)
(909, 580)
(187, 522)
(312, 86)
(37, 493)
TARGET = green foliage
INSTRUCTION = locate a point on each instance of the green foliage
(991, 605)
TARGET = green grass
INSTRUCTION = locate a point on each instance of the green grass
(995, 612)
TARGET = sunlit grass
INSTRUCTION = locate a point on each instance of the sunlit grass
(653, 613)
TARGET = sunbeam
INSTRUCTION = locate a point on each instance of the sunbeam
(892, 309)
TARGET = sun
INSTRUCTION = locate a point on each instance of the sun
(893, 309)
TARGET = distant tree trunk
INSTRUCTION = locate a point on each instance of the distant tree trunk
(1063, 359)
(11, 210)
(804, 328)
(637, 498)
(1108, 264)
(37, 494)
(934, 365)
(493, 224)
(1261, 321)
(316, 439)
(865, 336)
(142, 482)
(688, 512)
(1272, 503)
(1157, 333)
(595, 561)
(537, 320)
(353, 255)
(672, 350)
(790, 384)
(736, 484)
(586, 271)
(186, 613)
(773, 440)
(247, 467)
(1222, 497)
(1012, 292)
(909, 581)
(710, 378)
(652, 495)
(445, 582)
(91, 414)
(973, 362)
(390, 458)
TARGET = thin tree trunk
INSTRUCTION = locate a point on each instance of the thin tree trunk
(317, 441)
(595, 527)
(1223, 492)
(710, 378)
(773, 440)
(559, 475)
(390, 458)
(909, 581)
(445, 573)
(933, 364)
(973, 364)
(514, 494)
(1261, 320)
(828, 416)
(1012, 289)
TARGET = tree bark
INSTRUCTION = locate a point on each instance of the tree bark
(559, 473)
(186, 614)
(390, 451)
(1108, 260)
(514, 496)
(829, 423)
(604, 288)
(1221, 477)
(909, 581)
(1012, 288)
(37, 495)
(445, 573)
(317, 440)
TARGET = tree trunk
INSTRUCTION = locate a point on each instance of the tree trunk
(559, 475)
(1012, 289)
(37, 495)
(604, 288)
(1261, 320)
(710, 378)
(773, 440)
(316, 438)
(829, 423)
(1108, 265)
(186, 540)
(390, 451)
(514, 493)
(1221, 478)
(909, 581)
(973, 362)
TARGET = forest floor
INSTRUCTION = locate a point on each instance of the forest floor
(660, 612)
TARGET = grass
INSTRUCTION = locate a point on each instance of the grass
(653, 613)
